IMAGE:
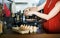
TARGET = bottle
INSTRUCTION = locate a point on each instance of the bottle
(1, 27)
(17, 17)
(5, 27)
(13, 7)
(13, 14)
(23, 18)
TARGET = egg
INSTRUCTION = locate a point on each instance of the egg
(31, 29)
(35, 29)
(28, 26)
(21, 26)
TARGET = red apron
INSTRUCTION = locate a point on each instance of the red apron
(52, 25)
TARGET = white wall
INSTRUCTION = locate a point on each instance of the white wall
(23, 6)
(0, 1)
(30, 1)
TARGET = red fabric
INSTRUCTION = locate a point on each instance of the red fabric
(6, 11)
(52, 25)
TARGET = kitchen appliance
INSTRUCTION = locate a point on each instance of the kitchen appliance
(20, 19)
(33, 20)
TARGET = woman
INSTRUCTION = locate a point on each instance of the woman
(51, 14)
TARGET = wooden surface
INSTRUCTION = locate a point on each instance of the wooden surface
(30, 36)
(12, 34)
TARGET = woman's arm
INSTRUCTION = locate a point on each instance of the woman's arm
(52, 13)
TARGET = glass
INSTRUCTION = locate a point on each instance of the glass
(1, 27)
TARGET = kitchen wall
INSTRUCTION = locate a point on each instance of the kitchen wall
(0, 1)
(18, 7)
(23, 6)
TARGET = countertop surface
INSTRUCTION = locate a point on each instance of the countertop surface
(11, 34)
(30, 36)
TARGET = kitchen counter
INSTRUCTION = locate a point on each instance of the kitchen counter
(30, 36)
(8, 33)
(11, 34)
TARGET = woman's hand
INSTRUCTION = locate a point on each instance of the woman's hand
(27, 9)
(31, 9)
(29, 13)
